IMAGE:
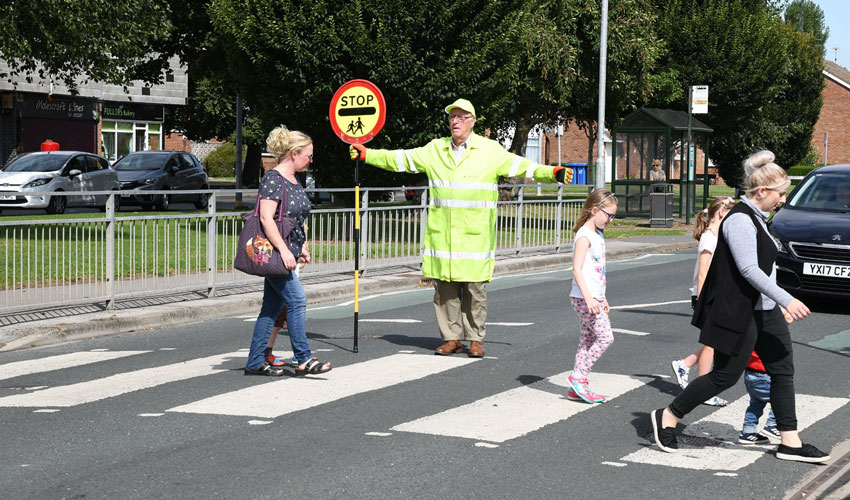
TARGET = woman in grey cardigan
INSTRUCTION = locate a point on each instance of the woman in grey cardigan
(741, 310)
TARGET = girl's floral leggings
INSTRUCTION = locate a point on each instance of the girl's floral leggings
(596, 336)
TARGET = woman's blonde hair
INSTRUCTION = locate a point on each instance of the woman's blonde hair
(705, 216)
(761, 172)
(282, 141)
(597, 199)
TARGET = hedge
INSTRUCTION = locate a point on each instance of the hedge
(222, 161)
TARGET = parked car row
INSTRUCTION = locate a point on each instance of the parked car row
(66, 171)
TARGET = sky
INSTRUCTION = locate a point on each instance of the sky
(837, 16)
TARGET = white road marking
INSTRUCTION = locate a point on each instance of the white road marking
(482, 444)
(99, 350)
(614, 464)
(652, 304)
(629, 332)
(260, 422)
(507, 324)
(151, 414)
(288, 395)
(122, 383)
(46, 410)
(515, 413)
(50, 363)
(379, 434)
(726, 474)
(407, 352)
(167, 348)
(722, 453)
(389, 320)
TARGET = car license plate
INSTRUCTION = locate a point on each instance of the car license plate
(831, 270)
(8, 197)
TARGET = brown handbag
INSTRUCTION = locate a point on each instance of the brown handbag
(255, 254)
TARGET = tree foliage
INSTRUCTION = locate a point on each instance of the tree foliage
(290, 56)
(806, 16)
(764, 78)
(112, 42)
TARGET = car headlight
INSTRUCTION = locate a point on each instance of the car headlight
(782, 247)
(149, 181)
(37, 182)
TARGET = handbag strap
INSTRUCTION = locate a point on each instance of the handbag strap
(282, 198)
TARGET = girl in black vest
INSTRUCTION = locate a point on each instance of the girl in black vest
(741, 309)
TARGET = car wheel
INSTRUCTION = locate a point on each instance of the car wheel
(56, 205)
(162, 202)
(203, 200)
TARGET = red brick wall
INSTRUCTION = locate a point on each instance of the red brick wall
(835, 120)
(176, 142)
(573, 147)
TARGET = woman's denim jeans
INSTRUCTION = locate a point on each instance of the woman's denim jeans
(277, 293)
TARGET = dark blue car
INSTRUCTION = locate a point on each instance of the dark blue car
(813, 228)
(173, 171)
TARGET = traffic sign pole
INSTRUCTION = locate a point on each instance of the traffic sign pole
(357, 113)
(356, 249)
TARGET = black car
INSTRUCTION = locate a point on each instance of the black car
(813, 228)
(160, 171)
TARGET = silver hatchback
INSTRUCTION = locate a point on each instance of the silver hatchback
(54, 171)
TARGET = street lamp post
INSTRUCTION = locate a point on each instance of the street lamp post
(600, 122)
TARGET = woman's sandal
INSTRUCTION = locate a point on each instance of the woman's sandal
(313, 367)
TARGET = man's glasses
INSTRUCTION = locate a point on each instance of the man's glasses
(459, 118)
(610, 216)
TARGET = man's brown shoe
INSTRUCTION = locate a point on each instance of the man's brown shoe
(476, 349)
(450, 347)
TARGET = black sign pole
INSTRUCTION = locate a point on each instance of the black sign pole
(356, 245)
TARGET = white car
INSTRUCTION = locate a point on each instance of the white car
(54, 171)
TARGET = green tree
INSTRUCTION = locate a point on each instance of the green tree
(67, 41)
(289, 57)
(759, 72)
(807, 17)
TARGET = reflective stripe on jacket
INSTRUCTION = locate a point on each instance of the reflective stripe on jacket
(460, 234)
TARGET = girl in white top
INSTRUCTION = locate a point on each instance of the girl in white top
(708, 223)
(588, 292)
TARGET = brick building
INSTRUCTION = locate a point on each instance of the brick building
(834, 118)
(101, 118)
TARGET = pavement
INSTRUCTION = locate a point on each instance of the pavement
(68, 327)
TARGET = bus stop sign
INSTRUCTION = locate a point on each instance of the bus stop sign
(357, 111)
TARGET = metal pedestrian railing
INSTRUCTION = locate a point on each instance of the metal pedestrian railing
(100, 258)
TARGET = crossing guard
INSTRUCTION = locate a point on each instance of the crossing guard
(460, 237)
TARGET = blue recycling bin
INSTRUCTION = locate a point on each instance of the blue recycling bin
(579, 173)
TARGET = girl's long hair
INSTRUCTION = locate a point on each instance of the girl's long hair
(599, 198)
(705, 216)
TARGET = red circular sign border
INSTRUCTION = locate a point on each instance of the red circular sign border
(382, 113)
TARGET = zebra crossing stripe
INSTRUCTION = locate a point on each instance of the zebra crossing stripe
(515, 413)
(122, 383)
(710, 443)
(288, 395)
(50, 363)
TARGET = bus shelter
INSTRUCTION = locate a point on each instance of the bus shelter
(651, 134)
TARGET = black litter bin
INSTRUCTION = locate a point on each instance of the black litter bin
(661, 205)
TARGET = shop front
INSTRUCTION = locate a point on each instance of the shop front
(69, 121)
(129, 127)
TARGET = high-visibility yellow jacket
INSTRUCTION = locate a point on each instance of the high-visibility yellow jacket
(460, 234)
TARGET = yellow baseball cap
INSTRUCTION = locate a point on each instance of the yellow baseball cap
(462, 104)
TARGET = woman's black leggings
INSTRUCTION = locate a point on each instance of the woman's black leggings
(768, 335)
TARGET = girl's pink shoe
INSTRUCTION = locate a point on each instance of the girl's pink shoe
(582, 390)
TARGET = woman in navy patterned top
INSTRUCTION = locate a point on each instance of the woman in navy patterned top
(293, 151)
